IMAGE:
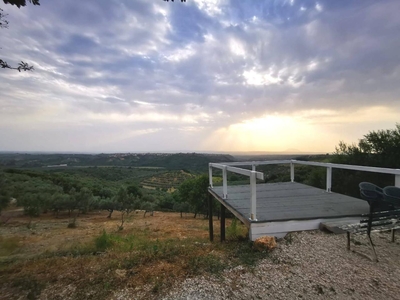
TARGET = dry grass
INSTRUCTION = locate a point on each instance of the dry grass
(95, 259)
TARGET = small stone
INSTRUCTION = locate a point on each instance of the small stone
(120, 273)
(265, 243)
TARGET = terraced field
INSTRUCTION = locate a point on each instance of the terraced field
(168, 180)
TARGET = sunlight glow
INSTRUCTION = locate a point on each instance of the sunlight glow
(237, 48)
(309, 130)
(255, 78)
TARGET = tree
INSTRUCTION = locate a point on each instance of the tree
(124, 203)
(20, 3)
(378, 149)
(34, 204)
(59, 202)
(181, 207)
(135, 191)
(106, 193)
(148, 204)
(84, 199)
(195, 192)
(147, 207)
(3, 21)
(4, 194)
(107, 204)
(22, 66)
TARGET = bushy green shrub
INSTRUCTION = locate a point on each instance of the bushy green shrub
(103, 242)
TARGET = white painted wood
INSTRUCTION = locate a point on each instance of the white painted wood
(397, 180)
(210, 178)
(245, 172)
(259, 175)
(292, 172)
(279, 229)
(328, 179)
(311, 163)
(256, 163)
(253, 193)
(225, 182)
(349, 167)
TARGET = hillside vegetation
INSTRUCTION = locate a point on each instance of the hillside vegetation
(171, 161)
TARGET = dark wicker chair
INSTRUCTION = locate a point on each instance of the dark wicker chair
(375, 196)
(392, 195)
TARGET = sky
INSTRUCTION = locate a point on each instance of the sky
(204, 75)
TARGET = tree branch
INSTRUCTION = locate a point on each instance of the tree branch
(3, 21)
(20, 3)
(23, 66)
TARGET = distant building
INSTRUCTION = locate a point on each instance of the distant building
(57, 166)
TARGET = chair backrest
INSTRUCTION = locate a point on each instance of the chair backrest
(392, 195)
(370, 191)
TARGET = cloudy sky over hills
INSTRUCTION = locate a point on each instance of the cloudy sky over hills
(205, 75)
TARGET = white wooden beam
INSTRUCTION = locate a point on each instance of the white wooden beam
(253, 193)
(224, 183)
(210, 178)
(292, 172)
(397, 181)
(328, 179)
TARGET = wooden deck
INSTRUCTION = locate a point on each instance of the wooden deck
(288, 206)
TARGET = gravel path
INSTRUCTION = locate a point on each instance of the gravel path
(307, 265)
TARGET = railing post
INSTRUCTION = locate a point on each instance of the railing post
(210, 179)
(224, 183)
(253, 195)
(397, 180)
(328, 179)
(292, 172)
(253, 167)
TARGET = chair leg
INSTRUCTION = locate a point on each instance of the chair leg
(393, 230)
(373, 248)
(348, 240)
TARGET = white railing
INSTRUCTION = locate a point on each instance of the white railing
(254, 175)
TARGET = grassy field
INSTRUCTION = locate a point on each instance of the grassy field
(43, 258)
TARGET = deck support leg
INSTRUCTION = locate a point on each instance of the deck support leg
(348, 240)
(222, 222)
(373, 248)
(210, 217)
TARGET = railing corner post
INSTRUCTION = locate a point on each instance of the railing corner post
(397, 180)
(291, 171)
(329, 179)
(224, 183)
(253, 196)
(210, 178)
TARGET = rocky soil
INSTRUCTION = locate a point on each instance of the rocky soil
(306, 265)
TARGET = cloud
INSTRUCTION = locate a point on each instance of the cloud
(200, 67)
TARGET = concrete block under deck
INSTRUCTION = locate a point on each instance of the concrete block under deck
(288, 206)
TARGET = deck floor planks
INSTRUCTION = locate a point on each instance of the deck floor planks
(291, 201)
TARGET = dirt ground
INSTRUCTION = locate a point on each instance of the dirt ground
(48, 233)
(37, 254)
